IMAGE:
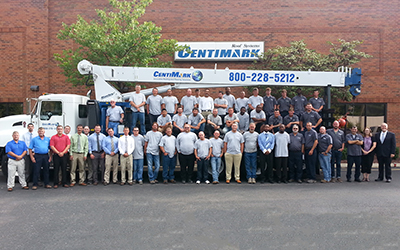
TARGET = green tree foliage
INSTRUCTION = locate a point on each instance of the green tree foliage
(115, 38)
(298, 57)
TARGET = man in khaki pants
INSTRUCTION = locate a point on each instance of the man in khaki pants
(126, 145)
(79, 150)
(110, 147)
(233, 148)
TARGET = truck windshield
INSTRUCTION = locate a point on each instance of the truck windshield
(50, 108)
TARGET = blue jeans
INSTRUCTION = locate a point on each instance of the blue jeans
(138, 116)
(336, 157)
(153, 174)
(138, 169)
(168, 167)
(215, 165)
(325, 162)
(311, 161)
(202, 169)
(250, 161)
(196, 131)
(114, 126)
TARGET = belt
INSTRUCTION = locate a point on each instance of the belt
(208, 110)
(114, 121)
(77, 152)
(98, 151)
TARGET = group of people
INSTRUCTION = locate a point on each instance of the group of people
(278, 143)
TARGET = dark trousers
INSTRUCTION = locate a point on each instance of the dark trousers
(186, 161)
(281, 164)
(60, 163)
(267, 171)
(311, 162)
(98, 165)
(28, 168)
(209, 130)
(295, 165)
(42, 161)
(202, 169)
(175, 131)
(350, 161)
(384, 165)
(366, 163)
(336, 157)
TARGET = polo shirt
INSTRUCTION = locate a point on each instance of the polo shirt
(269, 104)
(16, 147)
(354, 149)
(309, 138)
(311, 116)
(40, 146)
(289, 119)
(317, 102)
(60, 142)
(298, 103)
(338, 138)
(324, 140)
(275, 120)
(296, 141)
(284, 103)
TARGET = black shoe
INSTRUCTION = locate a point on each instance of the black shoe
(285, 181)
(357, 180)
(378, 179)
(270, 181)
(278, 182)
(348, 180)
(389, 180)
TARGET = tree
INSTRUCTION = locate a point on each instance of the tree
(115, 38)
(298, 57)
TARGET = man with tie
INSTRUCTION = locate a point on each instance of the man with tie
(126, 145)
(110, 147)
(27, 137)
(78, 153)
(96, 153)
(385, 150)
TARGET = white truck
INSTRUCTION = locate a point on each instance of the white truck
(68, 109)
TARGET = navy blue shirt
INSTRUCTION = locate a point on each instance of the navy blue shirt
(16, 148)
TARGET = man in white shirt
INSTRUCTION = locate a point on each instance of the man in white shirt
(126, 145)
(282, 140)
(27, 137)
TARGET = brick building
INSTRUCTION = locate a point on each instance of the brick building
(28, 41)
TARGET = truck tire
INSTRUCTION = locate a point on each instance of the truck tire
(4, 165)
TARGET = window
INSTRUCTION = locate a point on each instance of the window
(11, 108)
(50, 108)
(82, 111)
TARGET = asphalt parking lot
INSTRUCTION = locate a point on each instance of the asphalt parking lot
(177, 216)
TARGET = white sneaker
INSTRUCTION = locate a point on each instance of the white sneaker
(207, 182)
(197, 182)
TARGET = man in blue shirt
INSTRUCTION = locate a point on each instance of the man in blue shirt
(110, 147)
(16, 150)
(39, 152)
(96, 153)
(266, 142)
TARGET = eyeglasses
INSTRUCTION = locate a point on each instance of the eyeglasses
(136, 130)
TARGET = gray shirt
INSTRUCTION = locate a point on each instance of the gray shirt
(154, 103)
(296, 141)
(244, 121)
(233, 140)
(289, 119)
(269, 104)
(241, 102)
(324, 140)
(137, 99)
(153, 140)
(230, 118)
(311, 116)
(231, 101)
(139, 144)
(217, 120)
(168, 143)
(188, 104)
(275, 120)
(282, 141)
(298, 103)
(161, 120)
(310, 137)
(217, 146)
(221, 101)
(180, 120)
(170, 102)
(338, 138)
(195, 120)
(255, 100)
(114, 114)
(185, 143)
(203, 147)
(284, 103)
(317, 102)
(250, 142)
(354, 149)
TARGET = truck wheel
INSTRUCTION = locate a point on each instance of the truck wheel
(4, 165)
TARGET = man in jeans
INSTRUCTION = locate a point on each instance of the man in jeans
(137, 101)
(185, 147)
(338, 138)
(138, 156)
(233, 146)
(250, 153)
(216, 154)
(324, 153)
(151, 147)
(202, 152)
(168, 149)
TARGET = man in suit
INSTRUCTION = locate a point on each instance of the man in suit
(385, 150)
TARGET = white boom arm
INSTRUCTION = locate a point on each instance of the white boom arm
(201, 78)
